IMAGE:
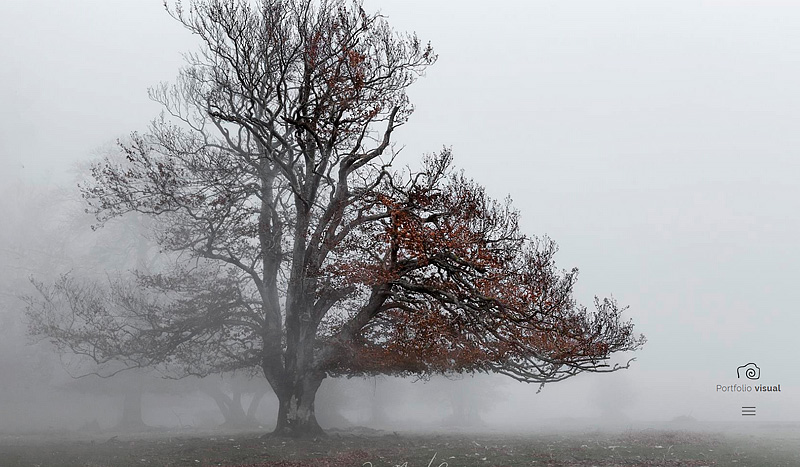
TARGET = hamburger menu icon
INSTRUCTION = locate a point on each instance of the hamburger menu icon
(749, 371)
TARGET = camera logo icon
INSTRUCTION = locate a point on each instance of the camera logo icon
(749, 371)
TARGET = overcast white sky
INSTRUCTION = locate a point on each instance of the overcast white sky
(655, 141)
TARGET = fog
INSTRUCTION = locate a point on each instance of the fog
(655, 142)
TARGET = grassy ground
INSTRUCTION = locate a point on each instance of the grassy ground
(370, 448)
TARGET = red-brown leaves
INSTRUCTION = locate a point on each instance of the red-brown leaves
(470, 292)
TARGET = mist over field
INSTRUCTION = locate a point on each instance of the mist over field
(654, 142)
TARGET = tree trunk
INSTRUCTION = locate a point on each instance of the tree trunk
(237, 416)
(296, 416)
(132, 410)
(254, 403)
(231, 408)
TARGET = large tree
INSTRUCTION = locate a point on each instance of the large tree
(304, 252)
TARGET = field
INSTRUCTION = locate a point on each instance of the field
(371, 448)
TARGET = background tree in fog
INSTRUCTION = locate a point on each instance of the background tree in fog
(46, 235)
(238, 398)
(305, 252)
(65, 244)
(27, 247)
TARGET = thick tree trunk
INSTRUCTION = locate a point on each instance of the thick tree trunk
(296, 417)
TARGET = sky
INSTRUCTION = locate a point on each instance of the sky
(655, 142)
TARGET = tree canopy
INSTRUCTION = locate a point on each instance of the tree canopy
(302, 250)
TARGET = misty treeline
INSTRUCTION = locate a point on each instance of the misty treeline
(270, 232)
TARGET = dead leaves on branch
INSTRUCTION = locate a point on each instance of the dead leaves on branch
(469, 292)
